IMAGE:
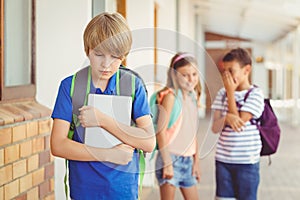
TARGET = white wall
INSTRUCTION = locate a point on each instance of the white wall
(167, 35)
(186, 26)
(60, 53)
(140, 18)
(259, 71)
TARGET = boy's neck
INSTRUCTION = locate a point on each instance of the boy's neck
(244, 86)
(102, 84)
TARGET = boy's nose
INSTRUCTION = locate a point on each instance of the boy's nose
(106, 62)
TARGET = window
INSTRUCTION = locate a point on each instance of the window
(17, 63)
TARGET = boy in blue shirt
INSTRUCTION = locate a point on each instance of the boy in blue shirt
(98, 173)
(239, 144)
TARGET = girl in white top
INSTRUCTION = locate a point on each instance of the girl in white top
(177, 163)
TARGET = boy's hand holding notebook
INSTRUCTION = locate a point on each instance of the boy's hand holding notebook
(118, 107)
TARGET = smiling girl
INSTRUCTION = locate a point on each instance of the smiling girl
(177, 163)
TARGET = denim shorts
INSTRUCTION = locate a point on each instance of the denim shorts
(237, 181)
(182, 167)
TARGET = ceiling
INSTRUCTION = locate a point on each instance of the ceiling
(256, 20)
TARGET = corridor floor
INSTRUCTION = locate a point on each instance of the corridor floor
(279, 181)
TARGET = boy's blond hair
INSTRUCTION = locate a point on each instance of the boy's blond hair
(109, 33)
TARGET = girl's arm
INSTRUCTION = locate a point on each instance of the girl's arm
(165, 111)
(196, 163)
(64, 147)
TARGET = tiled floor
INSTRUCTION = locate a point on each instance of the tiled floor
(280, 181)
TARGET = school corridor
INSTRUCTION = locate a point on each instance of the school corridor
(42, 43)
(279, 181)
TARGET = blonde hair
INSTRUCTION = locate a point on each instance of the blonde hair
(109, 33)
(180, 60)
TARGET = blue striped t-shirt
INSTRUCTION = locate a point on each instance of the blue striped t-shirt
(240, 147)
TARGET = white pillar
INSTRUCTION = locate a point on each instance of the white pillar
(200, 53)
(296, 74)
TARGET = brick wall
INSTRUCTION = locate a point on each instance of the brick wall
(26, 164)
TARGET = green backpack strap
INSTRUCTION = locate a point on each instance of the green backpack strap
(80, 83)
(142, 166)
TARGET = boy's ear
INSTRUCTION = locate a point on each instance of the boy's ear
(248, 68)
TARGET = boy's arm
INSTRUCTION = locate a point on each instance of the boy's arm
(141, 137)
(234, 118)
(218, 121)
(64, 147)
(232, 108)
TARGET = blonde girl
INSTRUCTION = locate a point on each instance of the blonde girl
(177, 163)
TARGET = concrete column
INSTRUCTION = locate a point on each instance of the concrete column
(296, 76)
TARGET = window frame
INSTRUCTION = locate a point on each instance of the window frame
(20, 92)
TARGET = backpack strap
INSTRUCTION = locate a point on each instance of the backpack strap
(252, 121)
(248, 92)
(127, 78)
(80, 85)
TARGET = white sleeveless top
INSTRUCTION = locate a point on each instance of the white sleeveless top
(184, 142)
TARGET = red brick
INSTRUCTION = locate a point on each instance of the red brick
(11, 153)
(11, 190)
(25, 183)
(47, 142)
(26, 149)
(32, 129)
(1, 157)
(50, 197)
(19, 168)
(5, 136)
(19, 133)
(52, 184)
(8, 119)
(1, 192)
(49, 171)
(44, 158)
(44, 189)
(33, 194)
(32, 162)
(6, 174)
(21, 197)
(38, 177)
(44, 126)
(38, 144)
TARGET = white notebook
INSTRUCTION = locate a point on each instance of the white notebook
(118, 107)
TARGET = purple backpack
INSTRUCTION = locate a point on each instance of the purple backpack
(268, 128)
